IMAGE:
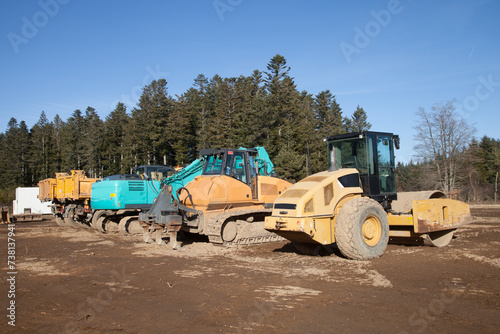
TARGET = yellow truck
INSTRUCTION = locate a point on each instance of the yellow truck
(70, 195)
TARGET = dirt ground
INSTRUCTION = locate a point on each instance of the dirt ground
(81, 281)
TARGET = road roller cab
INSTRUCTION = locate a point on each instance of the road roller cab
(372, 155)
(355, 204)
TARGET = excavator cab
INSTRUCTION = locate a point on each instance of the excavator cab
(234, 163)
(372, 154)
(154, 172)
(241, 165)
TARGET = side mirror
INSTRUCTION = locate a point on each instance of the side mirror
(396, 142)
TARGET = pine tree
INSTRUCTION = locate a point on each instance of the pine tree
(290, 165)
(114, 133)
(183, 133)
(487, 160)
(57, 128)
(328, 114)
(282, 106)
(255, 116)
(200, 102)
(41, 148)
(286, 119)
(305, 134)
(17, 153)
(329, 121)
(150, 123)
(5, 198)
(221, 125)
(359, 121)
(72, 142)
(93, 142)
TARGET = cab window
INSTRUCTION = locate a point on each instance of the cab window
(213, 165)
(385, 153)
(140, 171)
(235, 166)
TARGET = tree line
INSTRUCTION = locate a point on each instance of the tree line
(450, 158)
(261, 109)
(476, 175)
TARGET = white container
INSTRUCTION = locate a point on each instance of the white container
(27, 202)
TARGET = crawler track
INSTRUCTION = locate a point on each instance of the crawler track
(243, 227)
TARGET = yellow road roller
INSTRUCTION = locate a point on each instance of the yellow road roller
(354, 204)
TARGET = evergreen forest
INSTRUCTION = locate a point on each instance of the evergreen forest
(261, 109)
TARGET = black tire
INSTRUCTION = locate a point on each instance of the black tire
(95, 218)
(362, 229)
(69, 220)
(124, 224)
(60, 221)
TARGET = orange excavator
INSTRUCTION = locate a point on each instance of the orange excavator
(228, 202)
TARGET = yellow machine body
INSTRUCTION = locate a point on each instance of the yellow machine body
(74, 186)
(219, 192)
(70, 196)
(47, 189)
(355, 203)
(214, 195)
(307, 211)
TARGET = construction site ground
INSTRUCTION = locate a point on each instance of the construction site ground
(69, 280)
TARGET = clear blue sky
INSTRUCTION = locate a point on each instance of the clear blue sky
(390, 57)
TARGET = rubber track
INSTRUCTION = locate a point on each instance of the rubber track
(214, 228)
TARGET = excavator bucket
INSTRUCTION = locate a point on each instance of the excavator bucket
(165, 215)
(4, 217)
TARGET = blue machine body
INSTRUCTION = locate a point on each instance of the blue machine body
(186, 175)
(129, 191)
(124, 194)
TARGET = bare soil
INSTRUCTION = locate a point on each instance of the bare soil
(81, 281)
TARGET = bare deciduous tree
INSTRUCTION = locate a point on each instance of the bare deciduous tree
(442, 136)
